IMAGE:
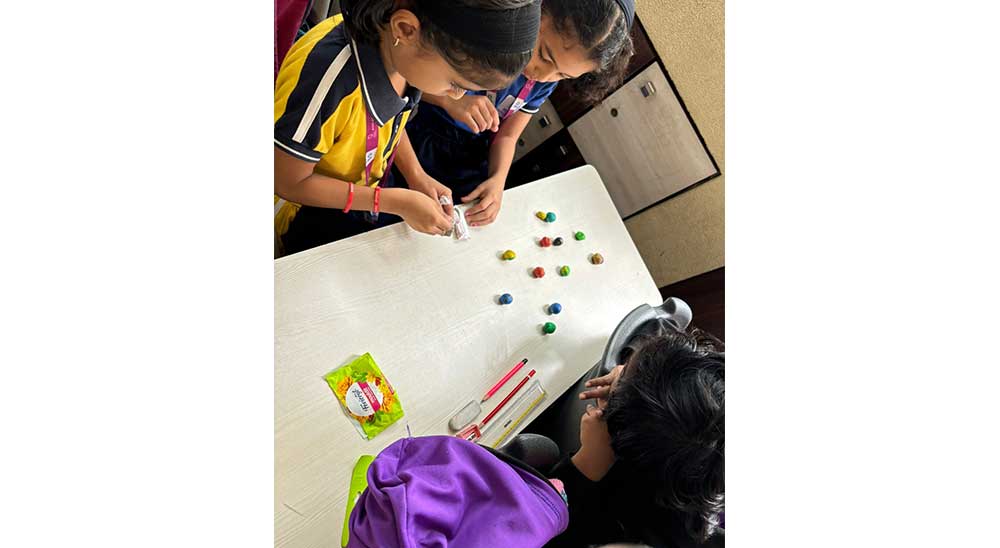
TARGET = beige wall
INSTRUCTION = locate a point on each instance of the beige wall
(685, 236)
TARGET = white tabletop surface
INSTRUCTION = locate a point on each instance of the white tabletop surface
(426, 309)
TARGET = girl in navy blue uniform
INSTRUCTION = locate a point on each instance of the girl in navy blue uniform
(468, 144)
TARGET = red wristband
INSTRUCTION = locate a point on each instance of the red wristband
(378, 189)
(350, 197)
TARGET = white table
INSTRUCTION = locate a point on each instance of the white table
(426, 309)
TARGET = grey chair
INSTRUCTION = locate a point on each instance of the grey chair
(561, 421)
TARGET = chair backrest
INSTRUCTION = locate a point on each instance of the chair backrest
(673, 310)
(288, 17)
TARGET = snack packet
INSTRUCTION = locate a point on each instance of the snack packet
(365, 395)
(459, 226)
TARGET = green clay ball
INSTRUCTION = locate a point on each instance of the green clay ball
(564, 271)
(549, 328)
(580, 236)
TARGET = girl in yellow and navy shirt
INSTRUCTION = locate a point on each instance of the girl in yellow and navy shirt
(346, 90)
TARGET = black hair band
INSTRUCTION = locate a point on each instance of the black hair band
(495, 31)
(628, 9)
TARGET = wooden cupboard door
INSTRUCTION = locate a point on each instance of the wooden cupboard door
(544, 124)
(642, 143)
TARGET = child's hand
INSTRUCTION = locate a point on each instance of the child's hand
(601, 386)
(423, 213)
(431, 187)
(475, 111)
(490, 194)
(595, 456)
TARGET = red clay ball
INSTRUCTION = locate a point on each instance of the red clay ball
(545, 242)
(538, 272)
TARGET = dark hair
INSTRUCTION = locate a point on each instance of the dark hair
(490, 69)
(601, 28)
(666, 418)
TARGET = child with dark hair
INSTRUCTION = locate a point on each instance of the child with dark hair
(468, 144)
(651, 466)
(346, 90)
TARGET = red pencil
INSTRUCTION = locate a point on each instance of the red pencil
(505, 378)
(509, 396)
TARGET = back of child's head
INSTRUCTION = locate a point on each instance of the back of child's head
(476, 37)
(602, 28)
(666, 418)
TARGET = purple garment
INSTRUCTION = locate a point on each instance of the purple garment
(440, 491)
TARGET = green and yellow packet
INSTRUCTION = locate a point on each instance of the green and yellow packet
(365, 395)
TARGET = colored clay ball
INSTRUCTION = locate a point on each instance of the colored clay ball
(549, 328)
(550, 217)
(540, 215)
(538, 272)
(564, 271)
(508, 255)
(545, 242)
(555, 308)
(580, 236)
(557, 241)
(506, 298)
(596, 258)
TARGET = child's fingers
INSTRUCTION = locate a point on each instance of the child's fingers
(490, 217)
(496, 119)
(477, 217)
(484, 215)
(473, 195)
(484, 202)
(490, 115)
(480, 120)
(599, 381)
(443, 225)
(482, 220)
(448, 207)
(490, 106)
(482, 206)
(471, 122)
(598, 393)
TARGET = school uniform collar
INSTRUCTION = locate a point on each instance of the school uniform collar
(381, 99)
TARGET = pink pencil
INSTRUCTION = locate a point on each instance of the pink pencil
(505, 378)
(496, 409)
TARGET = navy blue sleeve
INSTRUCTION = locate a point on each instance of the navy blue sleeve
(539, 94)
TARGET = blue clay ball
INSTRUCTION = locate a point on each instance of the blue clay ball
(506, 298)
(555, 308)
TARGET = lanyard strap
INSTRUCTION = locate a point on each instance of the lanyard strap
(371, 145)
(522, 97)
(371, 150)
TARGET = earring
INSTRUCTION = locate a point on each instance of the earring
(396, 43)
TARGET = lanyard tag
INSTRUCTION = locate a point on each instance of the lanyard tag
(505, 106)
(371, 145)
(522, 98)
